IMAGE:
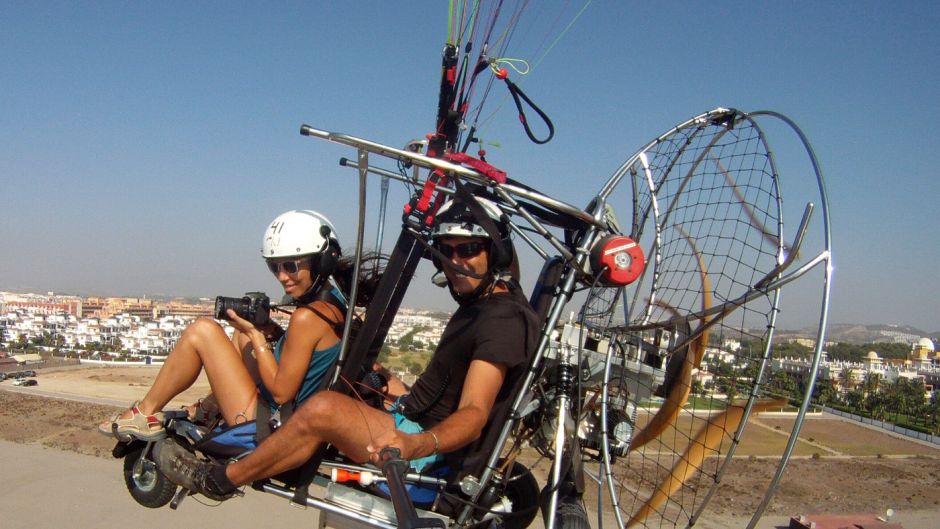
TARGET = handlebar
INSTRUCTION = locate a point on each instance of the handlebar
(394, 468)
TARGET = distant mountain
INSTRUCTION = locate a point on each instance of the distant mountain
(859, 334)
(856, 333)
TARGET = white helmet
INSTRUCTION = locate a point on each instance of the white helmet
(296, 233)
(454, 219)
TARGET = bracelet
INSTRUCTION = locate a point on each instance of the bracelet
(437, 443)
(262, 349)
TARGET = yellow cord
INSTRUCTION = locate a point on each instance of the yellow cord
(521, 69)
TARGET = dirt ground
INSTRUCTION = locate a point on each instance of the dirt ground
(72, 425)
(850, 469)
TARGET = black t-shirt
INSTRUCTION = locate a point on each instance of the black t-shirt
(501, 329)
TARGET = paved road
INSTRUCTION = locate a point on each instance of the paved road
(49, 489)
(35, 391)
(45, 488)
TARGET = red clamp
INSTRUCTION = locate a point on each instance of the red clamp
(493, 173)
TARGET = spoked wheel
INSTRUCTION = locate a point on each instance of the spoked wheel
(687, 346)
(144, 481)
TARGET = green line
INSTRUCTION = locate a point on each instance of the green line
(450, 22)
(562, 34)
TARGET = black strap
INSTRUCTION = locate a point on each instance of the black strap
(516, 93)
(337, 326)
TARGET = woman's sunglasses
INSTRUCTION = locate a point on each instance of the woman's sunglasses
(463, 250)
(291, 267)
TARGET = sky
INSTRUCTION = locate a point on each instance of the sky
(144, 147)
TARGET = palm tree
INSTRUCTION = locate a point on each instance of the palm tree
(871, 383)
(933, 413)
(847, 379)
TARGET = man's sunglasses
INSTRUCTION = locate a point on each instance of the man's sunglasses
(463, 250)
(291, 267)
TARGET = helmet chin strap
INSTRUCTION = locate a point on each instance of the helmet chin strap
(485, 288)
(311, 293)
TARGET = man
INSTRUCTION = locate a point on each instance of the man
(483, 353)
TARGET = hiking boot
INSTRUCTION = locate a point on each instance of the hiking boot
(186, 470)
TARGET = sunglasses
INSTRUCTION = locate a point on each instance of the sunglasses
(464, 250)
(291, 267)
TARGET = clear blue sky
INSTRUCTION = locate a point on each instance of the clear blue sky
(144, 146)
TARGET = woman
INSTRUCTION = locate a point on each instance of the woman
(262, 362)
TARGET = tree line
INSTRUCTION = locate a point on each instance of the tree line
(902, 402)
(844, 351)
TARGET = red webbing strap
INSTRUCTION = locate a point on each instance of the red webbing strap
(494, 174)
(423, 203)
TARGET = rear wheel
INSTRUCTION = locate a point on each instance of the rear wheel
(148, 486)
(523, 491)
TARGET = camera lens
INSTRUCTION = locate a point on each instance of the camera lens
(222, 304)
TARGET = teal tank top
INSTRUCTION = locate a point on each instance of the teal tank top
(320, 363)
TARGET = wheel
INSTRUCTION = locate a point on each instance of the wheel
(523, 491)
(148, 486)
(569, 511)
(571, 515)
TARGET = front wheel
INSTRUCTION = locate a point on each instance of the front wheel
(571, 515)
(148, 486)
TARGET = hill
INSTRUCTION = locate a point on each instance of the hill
(856, 333)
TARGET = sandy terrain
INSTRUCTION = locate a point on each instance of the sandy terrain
(891, 472)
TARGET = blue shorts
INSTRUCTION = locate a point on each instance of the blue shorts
(404, 424)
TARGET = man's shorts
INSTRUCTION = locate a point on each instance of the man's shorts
(404, 424)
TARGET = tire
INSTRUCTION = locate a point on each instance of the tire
(147, 485)
(523, 491)
(571, 515)
(569, 512)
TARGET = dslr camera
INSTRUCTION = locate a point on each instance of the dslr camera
(253, 306)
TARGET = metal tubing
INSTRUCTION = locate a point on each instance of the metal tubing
(794, 248)
(383, 201)
(732, 304)
(605, 445)
(752, 398)
(323, 505)
(427, 162)
(385, 173)
(618, 174)
(539, 228)
(552, 204)
(823, 318)
(557, 463)
(396, 154)
(354, 288)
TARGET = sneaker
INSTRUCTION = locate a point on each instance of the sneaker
(185, 469)
(138, 426)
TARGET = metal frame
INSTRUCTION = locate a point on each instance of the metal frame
(591, 225)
